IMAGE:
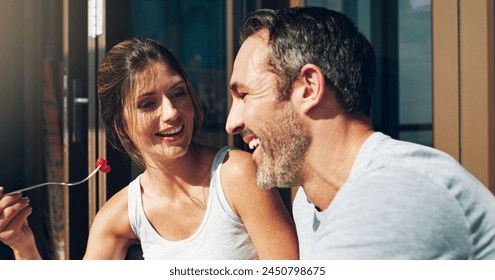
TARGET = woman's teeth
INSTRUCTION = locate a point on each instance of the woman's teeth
(254, 143)
(170, 132)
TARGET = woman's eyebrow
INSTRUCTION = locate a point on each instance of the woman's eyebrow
(145, 94)
(177, 84)
(149, 93)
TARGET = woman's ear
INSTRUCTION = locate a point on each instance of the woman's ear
(121, 131)
(310, 87)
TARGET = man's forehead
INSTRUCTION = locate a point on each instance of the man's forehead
(250, 60)
(256, 47)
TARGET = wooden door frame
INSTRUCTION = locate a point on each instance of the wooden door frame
(463, 84)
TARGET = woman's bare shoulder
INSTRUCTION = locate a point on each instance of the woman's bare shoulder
(238, 177)
(238, 163)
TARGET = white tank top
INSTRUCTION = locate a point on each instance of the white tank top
(221, 235)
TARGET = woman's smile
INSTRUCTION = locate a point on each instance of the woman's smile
(171, 134)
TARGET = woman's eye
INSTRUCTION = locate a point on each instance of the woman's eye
(146, 105)
(178, 95)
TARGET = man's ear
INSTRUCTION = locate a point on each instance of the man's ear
(311, 83)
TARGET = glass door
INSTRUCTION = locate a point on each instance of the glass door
(400, 32)
(49, 115)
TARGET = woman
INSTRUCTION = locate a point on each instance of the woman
(192, 201)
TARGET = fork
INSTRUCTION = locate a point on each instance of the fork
(55, 183)
(101, 163)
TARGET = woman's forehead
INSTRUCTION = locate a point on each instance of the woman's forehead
(158, 76)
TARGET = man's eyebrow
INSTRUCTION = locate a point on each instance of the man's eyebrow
(236, 87)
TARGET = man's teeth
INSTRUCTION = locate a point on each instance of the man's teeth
(254, 143)
(170, 132)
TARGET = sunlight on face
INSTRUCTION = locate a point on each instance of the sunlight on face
(268, 125)
(159, 114)
(283, 146)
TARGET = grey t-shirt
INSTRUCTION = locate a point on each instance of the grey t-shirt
(401, 201)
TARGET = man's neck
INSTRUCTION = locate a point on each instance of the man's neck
(330, 160)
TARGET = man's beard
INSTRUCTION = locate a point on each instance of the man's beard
(282, 150)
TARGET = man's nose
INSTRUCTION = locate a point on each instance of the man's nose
(235, 123)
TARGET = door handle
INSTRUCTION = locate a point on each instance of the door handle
(78, 105)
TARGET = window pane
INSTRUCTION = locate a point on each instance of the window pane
(194, 30)
(413, 101)
(415, 76)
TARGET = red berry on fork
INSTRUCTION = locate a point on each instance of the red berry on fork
(102, 163)
(105, 168)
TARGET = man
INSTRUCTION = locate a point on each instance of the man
(301, 87)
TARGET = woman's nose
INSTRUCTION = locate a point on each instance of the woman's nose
(168, 111)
